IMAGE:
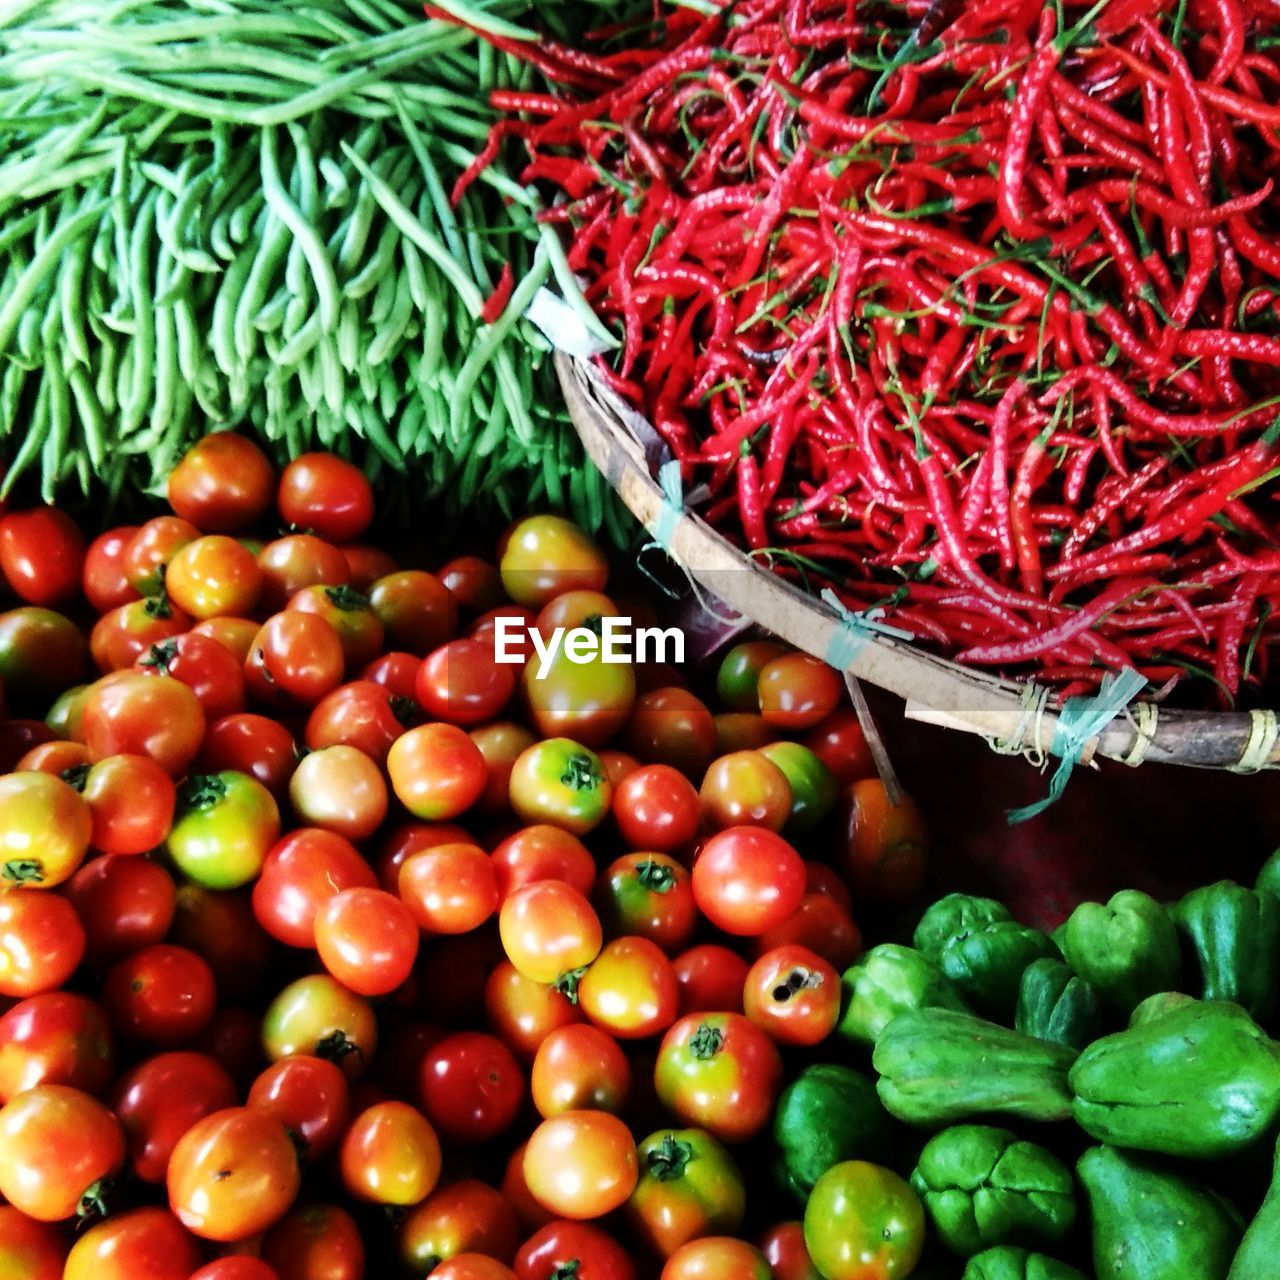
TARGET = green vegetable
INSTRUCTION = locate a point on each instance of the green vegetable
(1156, 1006)
(937, 1066)
(982, 1186)
(1008, 1262)
(1260, 1248)
(955, 914)
(1055, 1004)
(828, 1114)
(1203, 1080)
(813, 789)
(1269, 877)
(987, 963)
(1128, 949)
(886, 981)
(1150, 1223)
(1235, 935)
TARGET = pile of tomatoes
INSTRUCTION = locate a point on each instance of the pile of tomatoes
(327, 940)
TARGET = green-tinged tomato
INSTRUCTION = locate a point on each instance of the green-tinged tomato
(717, 1258)
(863, 1222)
(561, 782)
(64, 714)
(648, 895)
(317, 1015)
(45, 828)
(738, 679)
(41, 653)
(584, 698)
(225, 825)
(544, 556)
(689, 1187)
(813, 789)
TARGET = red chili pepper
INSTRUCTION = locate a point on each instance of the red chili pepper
(496, 303)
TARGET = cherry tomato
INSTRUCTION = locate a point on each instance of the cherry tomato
(813, 789)
(436, 771)
(44, 830)
(576, 1249)
(256, 745)
(549, 930)
(236, 1266)
(367, 564)
(42, 555)
(618, 767)
(316, 1242)
(542, 852)
(742, 731)
(720, 1072)
(544, 556)
(162, 995)
(579, 693)
(450, 888)
(561, 782)
(460, 682)
(473, 1266)
(120, 638)
(738, 677)
(367, 939)
(223, 483)
(295, 561)
(235, 635)
(143, 1244)
(515, 1190)
(839, 742)
(232, 1174)
(397, 672)
(151, 549)
(390, 1155)
(820, 924)
(322, 492)
(318, 1016)
(630, 989)
(125, 904)
(310, 1097)
(102, 576)
(360, 714)
(341, 790)
(672, 726)
(579, 1068)
(797, 691)
(471, 1086)
(296, 658)
(863, 1222)
(465, 1217)
(131, 802)
(302, 871)
(522, 1012)
(711, 978)
(41, 942)
(689, 1187)
(747, 880)
(350, 615)
(885, 844)
(220, 927)
(473, 582)
(581, 1164)
(501, 744)
(57, 757)
(403, 841)
(209, 669)
(157, 1101)
(716, 1258)
(41, 654)
(649, 895)
(153, 716)
(656, 807)
(793, 995)
(55, 1038)
(56, 1146)
(783, 1248)
(416, 610)
(745, 789)
(225, 825)
(214, 575)
(29, 1250)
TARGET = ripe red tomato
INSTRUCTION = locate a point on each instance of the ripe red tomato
(716, 1258)
(220, 927)
(131, 801)
(41, 654)
(549, 930)
(581, 1164)
(261, 747)
(339, 789)
(793, 995)
(471, 1086)
(295, 561)
(577, 1249)
(316, 1242)
(302, 871)
(102, 577)
(408, 838)
(367, 939)
(44, 830)
(501, 744)
(822, 925)
(125, 903)
(42, 555)
(322, 492)
(784, 1250)
(207, 667)
(57, 757)
(121, 637)
(522, 1012)
(350, 615)
(41, 942)
(450, 888)
(656, 807)
(235, 635)
(797, 691)
(143, 1244)
(359, 714)
(462, 683)
(473, 582)
(839, 742)
(157, 1101)
(711, 978)
(55, 1038)
(543, 556)
(436, 771)
(223, 483)
(542, 852)
(579, 1068)
(745, 789)
(397, 672)
(648, 895)
(473, 1266)
(416, 610)
(630, 989)
(162, 995)
(214, 576)
(56, 1145)
(747, 880)
(151, 548)
(317, 1015)
(465, 1217)
(232, 1174)
(236, 1266)
(310, 1097)
(153, 716)
(390, 1155)
(296, 658)
(29, 1250)
(367, 564)
(672, 726)
(720, 1072)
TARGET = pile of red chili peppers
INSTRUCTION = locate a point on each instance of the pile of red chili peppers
(970, 310)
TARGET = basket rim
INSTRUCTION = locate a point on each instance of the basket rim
(938, 690)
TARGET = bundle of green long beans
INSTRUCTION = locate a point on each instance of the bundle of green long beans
(235, 213)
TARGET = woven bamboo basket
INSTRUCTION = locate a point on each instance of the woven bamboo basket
(628, 451)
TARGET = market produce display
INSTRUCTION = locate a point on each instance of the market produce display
(233, 214)
(966, 310)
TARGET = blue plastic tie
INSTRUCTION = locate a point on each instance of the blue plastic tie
(1080, 720)
(855, 632)
(672, 509)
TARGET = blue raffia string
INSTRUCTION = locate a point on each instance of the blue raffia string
(855, 632)
(1080, 720)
